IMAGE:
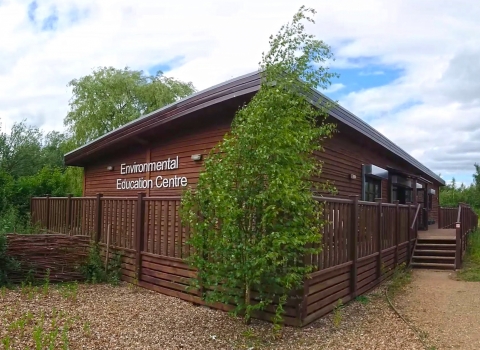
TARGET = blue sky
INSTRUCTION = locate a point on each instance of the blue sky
(408, 68)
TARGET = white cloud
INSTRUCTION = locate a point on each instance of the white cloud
(431, 110)
(334, 88)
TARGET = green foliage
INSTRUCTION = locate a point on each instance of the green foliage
(252, 214)
(26, 328)
(31, 161)
(452, 194)
(109, 98)
(362, 299)
(7, 263)
(94, 268)
(31, 164)
(402, 276)
(471, 269)
(338, 313)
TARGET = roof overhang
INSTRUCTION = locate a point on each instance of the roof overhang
(243, 85)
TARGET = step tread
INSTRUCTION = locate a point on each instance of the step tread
(434, 257)
(437, 238)
(434, 251)
(447, 245)
(434, 265)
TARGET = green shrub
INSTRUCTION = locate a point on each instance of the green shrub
(471, 269)
(94, 267)
(7, 263)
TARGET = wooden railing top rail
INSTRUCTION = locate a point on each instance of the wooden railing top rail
(344, 200)
(163, 198)
(332, 200)
(118, 198)
(318, 198)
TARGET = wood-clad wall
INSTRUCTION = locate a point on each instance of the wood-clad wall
(343, 156)
(199, 141)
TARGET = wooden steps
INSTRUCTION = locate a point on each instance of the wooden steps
(434, 253)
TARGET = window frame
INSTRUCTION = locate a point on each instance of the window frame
(371, 180)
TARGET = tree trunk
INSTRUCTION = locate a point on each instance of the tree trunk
(247, 303)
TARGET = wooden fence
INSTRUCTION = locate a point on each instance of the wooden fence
(362, 244)
(466, 222)
(60, 254)
(447, 217)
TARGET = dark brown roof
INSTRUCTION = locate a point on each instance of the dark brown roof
(243, 85)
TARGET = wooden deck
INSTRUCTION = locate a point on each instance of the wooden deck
(436, 233)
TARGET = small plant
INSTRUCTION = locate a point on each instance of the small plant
(114, 269)
(7, 342)
(86, 328)
(248, 333)
(46, 282)
(69, 290)
(65, 341)
(93, 269)
(337, 313)
(363, 299)
(134, 285)
(400, 278)
(38, 336)
(30, 277)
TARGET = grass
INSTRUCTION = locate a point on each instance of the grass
(471, 264)
(47, 329)
(401, 277)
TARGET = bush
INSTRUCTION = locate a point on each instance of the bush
(94, 268)
(7, 263)
(471, 269)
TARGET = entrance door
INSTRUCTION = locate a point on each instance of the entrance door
(402, 194)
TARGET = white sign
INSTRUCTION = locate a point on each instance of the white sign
(158, 182)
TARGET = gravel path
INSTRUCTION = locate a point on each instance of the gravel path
(105, 317)
(447, 310)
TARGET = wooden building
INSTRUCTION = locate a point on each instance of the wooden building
(161, 153)
(134, 177)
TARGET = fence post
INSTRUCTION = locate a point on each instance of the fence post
(47, 226)
(69, 213)
(353, 247)
(458, 253)
(397, 230)
(409, 232)
(440, 224)
(31, 211)
(98, 217)
(379, 238)
(139, 226)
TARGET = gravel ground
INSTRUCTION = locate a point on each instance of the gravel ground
(105, 317)
(445, 309)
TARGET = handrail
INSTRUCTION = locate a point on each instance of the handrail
(416, 216)
(459, 212)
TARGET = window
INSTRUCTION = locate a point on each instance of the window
(373, 189)
(402, 194)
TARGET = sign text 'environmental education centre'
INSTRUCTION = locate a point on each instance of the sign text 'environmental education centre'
(158, 182)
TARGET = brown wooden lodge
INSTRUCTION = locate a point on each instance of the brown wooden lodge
(386, 211)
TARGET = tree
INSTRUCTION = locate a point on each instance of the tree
(55, 145)
(109, 98)
(31, 164)
(252, 214)
(20, 151)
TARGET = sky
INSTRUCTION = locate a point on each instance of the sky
(409, 68)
